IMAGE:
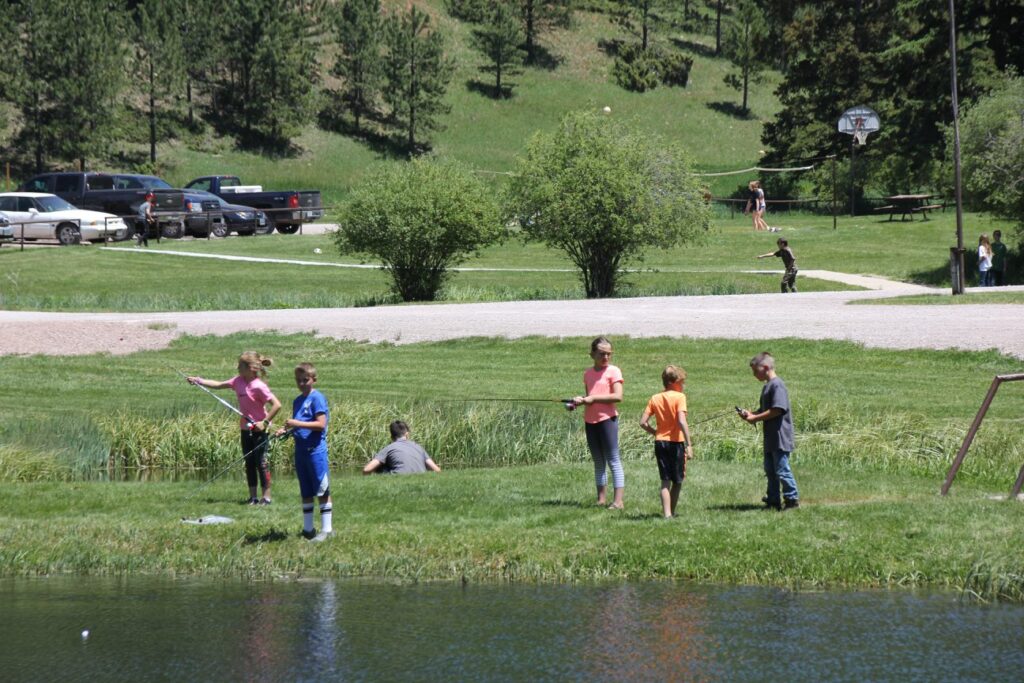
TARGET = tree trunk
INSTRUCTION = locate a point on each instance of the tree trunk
(530, 46)
(746, 80)
(152, 112)
(646, 14)
(718, 28)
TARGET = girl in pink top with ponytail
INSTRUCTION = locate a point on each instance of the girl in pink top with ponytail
(603, 384)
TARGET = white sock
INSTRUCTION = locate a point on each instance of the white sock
(307, 517)
(325, 518)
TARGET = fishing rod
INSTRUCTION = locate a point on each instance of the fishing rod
(270, 440)
(248, 420)
(567, 402)
(717, 416)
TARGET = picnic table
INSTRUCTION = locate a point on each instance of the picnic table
(908, 205)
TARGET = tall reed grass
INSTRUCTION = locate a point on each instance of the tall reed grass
(471, 435)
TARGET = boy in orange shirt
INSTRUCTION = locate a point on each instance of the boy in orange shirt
(672, 447)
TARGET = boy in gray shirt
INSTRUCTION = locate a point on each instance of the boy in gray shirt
(774, 412)
(401, 456)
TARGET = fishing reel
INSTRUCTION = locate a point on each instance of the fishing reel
(570, 405)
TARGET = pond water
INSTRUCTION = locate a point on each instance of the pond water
(145, 629)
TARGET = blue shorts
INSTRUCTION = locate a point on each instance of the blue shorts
(311, 470)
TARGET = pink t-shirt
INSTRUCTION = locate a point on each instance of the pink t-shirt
(600, 383)
(252, 398)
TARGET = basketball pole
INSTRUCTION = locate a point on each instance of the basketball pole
(957, 266)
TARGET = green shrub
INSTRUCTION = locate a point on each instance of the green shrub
(419, 219)
(641, 70)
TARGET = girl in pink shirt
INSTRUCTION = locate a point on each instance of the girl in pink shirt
(603, 384)
(253, 396)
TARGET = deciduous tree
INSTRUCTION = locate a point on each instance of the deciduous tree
(420, 219)
(603, 194)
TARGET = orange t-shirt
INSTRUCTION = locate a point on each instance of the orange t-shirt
(665, 408)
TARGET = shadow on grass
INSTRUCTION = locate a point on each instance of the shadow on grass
(610, 47)
(731, 109)
(272, 536)
(737, 507)
(568, 503)
(695, 47)
(489, 90)
(544, 58)
(388, 146)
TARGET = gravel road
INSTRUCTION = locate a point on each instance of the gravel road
(815, 315)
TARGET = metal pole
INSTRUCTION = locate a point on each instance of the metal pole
(852, 186)
(958, 283)
(834, 197)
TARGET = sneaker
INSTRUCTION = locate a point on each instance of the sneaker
(772, 506)
(254, 501)
(321, 537)
(791, 503)
(309, 535)
(264, 501)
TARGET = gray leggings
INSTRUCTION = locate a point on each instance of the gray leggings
(603, 441)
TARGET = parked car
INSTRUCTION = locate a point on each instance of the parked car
(116, 193)
(286, 210)
(6, 231)
(224, 217)
(37, 215)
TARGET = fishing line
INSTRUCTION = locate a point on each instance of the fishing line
(248, 420)
(270, 441)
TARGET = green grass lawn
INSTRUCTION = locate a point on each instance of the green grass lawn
(532, 524)
(114, 280)
(989, 297)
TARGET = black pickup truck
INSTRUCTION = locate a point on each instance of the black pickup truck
(286, 209)
(116, 193)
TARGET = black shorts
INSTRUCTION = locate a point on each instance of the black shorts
(671, 457)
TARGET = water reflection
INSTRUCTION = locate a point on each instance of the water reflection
(145, 629)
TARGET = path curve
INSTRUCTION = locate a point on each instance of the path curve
(813, 315)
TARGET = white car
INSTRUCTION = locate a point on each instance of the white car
(6, 231)
(40, 216)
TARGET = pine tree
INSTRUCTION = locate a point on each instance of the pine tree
(743, 45)
(417, 74)
(269, 74)
(160, 57)
(499, 40)
(540, 16)
(643, 10)
(358, 64)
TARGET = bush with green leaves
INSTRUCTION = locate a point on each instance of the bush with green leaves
(419, 219)
(675, 69)
(604, 193)
(639, 69)
(992, 150)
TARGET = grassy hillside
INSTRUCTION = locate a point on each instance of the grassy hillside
(487, 134)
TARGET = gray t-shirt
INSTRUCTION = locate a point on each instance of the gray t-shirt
(403, 457)
(778, 431)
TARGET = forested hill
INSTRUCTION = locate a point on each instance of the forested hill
(316, 92)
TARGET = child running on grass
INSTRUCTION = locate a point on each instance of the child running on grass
(603, 384)
(309, 428)
(775, 412)
(253, 396)
(672, 445)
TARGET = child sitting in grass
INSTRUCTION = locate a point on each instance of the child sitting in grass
(672, 445)
(309, 427)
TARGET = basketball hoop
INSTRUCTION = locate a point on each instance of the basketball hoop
(859, 122)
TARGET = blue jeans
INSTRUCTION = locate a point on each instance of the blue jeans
(776, 468)
(984, 278)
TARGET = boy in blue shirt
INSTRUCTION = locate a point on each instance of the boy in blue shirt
(775, 412)
(309, 428)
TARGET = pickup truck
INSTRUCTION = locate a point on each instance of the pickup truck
(116, 193)
(286, 210)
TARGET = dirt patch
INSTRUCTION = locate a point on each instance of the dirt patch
(80, 337)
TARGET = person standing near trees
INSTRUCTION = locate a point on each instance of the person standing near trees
(756, 205)
(998, 272)
(603, 384)
(984, 262)
(253, 396)
(789, 261)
